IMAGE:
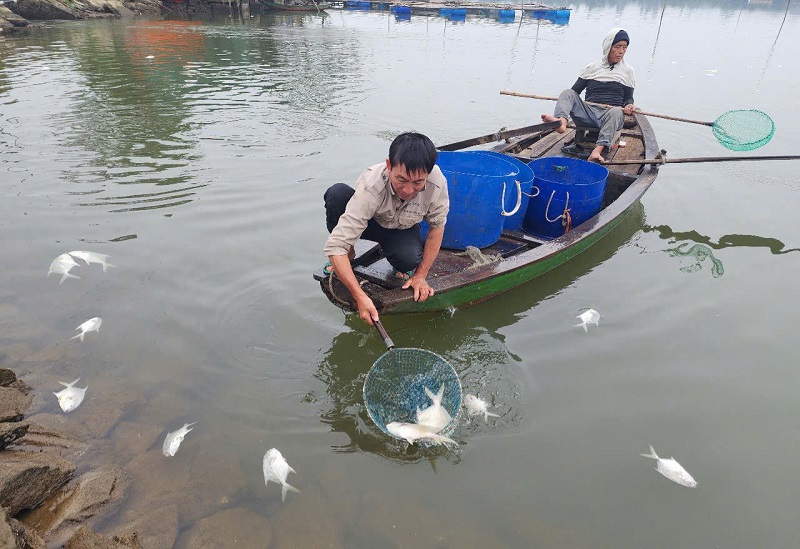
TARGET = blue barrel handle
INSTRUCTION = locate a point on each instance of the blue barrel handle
(503, 200)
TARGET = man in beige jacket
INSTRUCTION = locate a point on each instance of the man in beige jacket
(387, 205)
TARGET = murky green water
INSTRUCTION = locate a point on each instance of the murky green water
(196, 154)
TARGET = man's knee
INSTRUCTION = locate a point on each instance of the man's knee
(336, 198)
(568, 94)
(406, 260)
(404, 250)
(616, 116)
(337, 193)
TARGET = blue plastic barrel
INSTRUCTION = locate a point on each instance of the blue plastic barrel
(401, 10)
(540, 14)
(475, 183)
(445, 12)
(563, 184)
(506, 16)
(458, 14)
(525, 178)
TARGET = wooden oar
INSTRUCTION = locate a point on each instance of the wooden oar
(499, 136)
(698, 159)
(737, 130)
(548, 98)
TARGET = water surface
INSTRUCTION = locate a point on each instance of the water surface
(196, 154)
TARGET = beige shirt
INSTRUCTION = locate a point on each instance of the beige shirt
(375, 199)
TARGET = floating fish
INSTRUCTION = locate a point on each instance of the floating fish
(588, 317)
(62, 265)
(476, 405)
(93, 257)
(671, 469)
(91, 325)
(413, 432)
(173, 440)
(276, 470)
(71, 397)
(434, 416)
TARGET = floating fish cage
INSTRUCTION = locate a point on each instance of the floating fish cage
(458, 14)
(357, 5)
(559, 17)
(506, 16)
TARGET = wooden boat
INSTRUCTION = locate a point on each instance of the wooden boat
(458, 281)
(295, 5)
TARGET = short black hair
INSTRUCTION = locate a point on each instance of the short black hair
(414, 151)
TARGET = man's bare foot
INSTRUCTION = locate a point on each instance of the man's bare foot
(597, 155)
(551, 118)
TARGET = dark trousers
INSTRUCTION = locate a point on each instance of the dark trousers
(402, 247)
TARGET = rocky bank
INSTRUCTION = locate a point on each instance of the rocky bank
(38, 482)
(18, 14)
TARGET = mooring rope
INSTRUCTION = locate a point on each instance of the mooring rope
(479, 259)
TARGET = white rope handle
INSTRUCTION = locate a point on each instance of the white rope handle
(503, 200)
(566, 207)
(532, 195)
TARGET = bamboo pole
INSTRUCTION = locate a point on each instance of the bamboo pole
(678, 119)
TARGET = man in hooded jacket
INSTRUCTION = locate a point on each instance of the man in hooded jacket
(609, 81)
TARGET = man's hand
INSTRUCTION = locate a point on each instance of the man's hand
(629, 109)
(422, 290)
(366, 309)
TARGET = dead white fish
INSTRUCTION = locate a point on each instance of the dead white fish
(93, 257)
(434, 416)
(671, 469)
(62, 265)
(476, 405)
(276, 470)
(588, 317)
(71, 397)
(173, 440)
(412, 432)
(91, 325)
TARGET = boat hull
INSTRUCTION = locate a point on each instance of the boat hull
(461, 284)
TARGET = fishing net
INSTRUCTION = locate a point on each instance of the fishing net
(743, 130)
(395, 387)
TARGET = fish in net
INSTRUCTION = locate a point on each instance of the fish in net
(395, 387)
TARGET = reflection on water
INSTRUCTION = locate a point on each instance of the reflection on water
(135, 109)
(701, 250)
(470, 339)
(775, 246)
(698, 252)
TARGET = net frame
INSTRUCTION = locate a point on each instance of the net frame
(743, 129)
(395, 387)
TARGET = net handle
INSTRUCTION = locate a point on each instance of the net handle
(676, 118)
(381, 330)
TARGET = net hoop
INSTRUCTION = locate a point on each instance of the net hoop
(395, 387)
(744, 129)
